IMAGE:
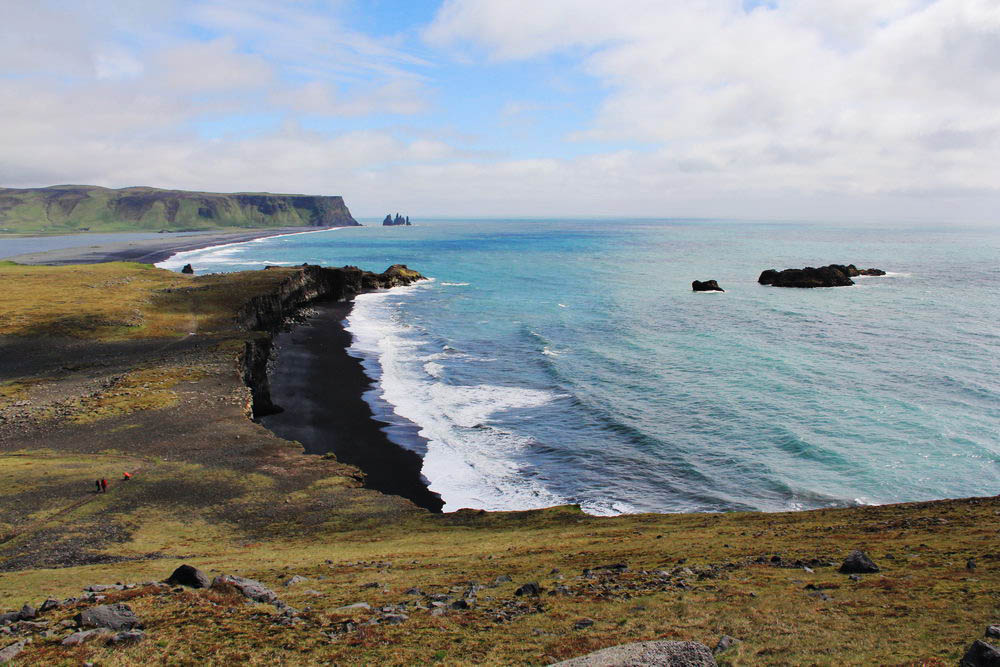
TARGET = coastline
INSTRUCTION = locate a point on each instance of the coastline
(320, 389)
(151, 251)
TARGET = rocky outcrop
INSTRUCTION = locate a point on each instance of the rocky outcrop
(678, 654)
(88, 207)
(981, 654)
(833, 275)
(706, 286)
(398, 220)
(264, 315)
(113, 616)
(187, 269)
(858, 562)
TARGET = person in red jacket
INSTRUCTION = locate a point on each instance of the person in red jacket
(104, 485)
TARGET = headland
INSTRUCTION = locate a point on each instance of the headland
(122, 367)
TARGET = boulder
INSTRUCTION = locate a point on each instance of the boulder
(725, 643)
(981, 654)
(993, 631)
(187, 269)
(127, 637)
(296, 579)
(49, 605)
(248, 588)
(858, 562)
(78, 638)
(706, 286)
(531, 588)
(666, 653)
(12, 651)
(27, 613)
(114, 616)
(186, 575)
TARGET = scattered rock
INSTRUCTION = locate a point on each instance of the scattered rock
(993, 631)
(49, 605)
(78, 638)
(531, 588)
(686, 654)
(725, 643)
(248, 588)
(858, 562)
(583, 623)
(394, 619)
(363, 606)
(10, 617)
(502, 579)
(413, 591)
(295, 580)
(127, 637)
(27, 613)
(460, 604)
(186, 575)
(706, 286)
(981, 654)
(114, 616)
(12, 651)
(970, 564)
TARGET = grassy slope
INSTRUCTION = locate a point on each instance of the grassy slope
(37, 211)
(268, 512)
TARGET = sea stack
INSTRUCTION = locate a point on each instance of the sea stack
(706, 286)
(834, 275)
(398, 220)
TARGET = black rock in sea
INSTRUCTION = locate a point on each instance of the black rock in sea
(398, 220)
(834, 275)
(706, 286)
(187, 269)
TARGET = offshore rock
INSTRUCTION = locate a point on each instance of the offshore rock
(833, 275)
(187, 269)
(666, 653)
(398, 220)
(706, 286)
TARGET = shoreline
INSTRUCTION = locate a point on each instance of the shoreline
(152, 251)
(320, 389)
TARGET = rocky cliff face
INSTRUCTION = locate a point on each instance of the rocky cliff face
(91, 208)
(264, 315)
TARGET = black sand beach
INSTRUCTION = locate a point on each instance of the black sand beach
(320, 388)
(149, 251)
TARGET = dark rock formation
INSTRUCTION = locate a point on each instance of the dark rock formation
(398, 220)
(993, 631)
(267, 314)
(187, 269)
(834, 275)
(858, 562)
(532, 589)
(981, 654)
(114, 616)
(706, 286)
(677, 654)
(185, 575)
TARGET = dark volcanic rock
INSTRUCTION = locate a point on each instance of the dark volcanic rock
(114, 616)
(530, 588)
(185, 575)
(398, 220)
(668, 653)
(833, 275)
(993, 631)
(858, 562)
(187, 269)
(981, 654)
(706, 286)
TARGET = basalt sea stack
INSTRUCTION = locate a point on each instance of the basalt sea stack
(834, 275)
(706, 286)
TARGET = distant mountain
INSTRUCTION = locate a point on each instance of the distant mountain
(80, 208)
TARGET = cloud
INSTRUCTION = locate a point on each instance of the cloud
(852, 97)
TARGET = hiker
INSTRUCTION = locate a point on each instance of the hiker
(126, 477)
(97, 482)
(104, 485)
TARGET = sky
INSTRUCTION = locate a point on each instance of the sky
(749, 109)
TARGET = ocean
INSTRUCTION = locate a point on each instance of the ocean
(568, 361)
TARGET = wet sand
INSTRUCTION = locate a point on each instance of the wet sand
(320, 388)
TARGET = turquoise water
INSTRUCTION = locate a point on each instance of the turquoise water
(569, 361)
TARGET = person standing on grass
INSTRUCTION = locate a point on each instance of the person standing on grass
(104, 485)
(97, 483)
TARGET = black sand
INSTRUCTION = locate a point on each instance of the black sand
(150, 251)
(320, 388)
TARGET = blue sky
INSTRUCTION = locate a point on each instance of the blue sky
(725, 108)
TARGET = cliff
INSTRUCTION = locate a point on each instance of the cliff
(82, 208)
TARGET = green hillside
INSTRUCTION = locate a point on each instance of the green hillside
(83, 208)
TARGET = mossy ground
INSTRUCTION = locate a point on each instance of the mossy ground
(212, 489)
